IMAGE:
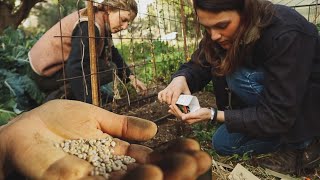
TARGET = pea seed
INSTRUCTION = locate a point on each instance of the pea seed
(99, 152)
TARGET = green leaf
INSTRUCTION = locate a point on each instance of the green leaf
(5, 116)
(25, 91)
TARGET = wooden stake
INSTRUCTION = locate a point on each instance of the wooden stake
(93, 55)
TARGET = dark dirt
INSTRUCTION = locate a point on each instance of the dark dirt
(169, 127)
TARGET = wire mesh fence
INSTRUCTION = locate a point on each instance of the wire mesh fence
(162, 36)
(308, 8)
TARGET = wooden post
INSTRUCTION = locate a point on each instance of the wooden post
(93, 55)
(184, 30)
(316, 13)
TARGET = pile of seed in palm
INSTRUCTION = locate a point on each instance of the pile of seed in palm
(99, 152)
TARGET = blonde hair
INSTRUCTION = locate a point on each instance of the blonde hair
(114, 5)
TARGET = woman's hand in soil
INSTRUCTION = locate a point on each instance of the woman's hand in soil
(138, 85)
(202, 114)
(172, 92)
(27, 143)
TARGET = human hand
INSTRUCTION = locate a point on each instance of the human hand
(179, 159)
(201, 114)
(27, 142)
(138, 85)
(172, 92)
(30, 138)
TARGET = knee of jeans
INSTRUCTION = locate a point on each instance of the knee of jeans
(220, 146)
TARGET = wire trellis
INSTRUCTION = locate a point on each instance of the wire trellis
(308, 8)
(161, 37)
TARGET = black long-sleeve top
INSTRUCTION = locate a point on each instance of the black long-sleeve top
(74, 67)
(289, 52)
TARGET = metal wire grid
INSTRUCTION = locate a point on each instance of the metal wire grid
(308, 8)
(175, 17)
(152, 28)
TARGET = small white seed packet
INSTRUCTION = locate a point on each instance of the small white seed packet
(188, 103)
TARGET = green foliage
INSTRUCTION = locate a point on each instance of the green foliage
(49, 14)
(15, 46)
(6, 103)
(5, 116)
(15, 85)
(203, 132)
(245, 157)
(159, 59)
(209, 87)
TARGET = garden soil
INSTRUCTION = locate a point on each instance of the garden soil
(170, 128)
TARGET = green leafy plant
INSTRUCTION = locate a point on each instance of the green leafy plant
(154, 61)
(18, 89)
(203, 132)
(50, 13)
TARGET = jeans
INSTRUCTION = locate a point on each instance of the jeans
(248, 85)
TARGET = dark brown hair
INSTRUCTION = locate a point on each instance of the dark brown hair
(254, 16)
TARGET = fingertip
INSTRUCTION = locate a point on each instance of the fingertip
(178, 166)
(185, 144)
(139, 152)
(145, 172)
(204, 161)
(68, 167)
(183, 118)
(121, 147)
(139, 129)
(179, 145)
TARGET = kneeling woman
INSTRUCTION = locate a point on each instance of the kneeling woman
(266, 58)
(48, 58)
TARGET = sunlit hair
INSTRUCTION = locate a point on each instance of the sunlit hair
(115, 5)
(254, 16)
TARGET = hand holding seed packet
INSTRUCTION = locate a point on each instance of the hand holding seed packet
(73, 140)
(187, 109)
(188, 103)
